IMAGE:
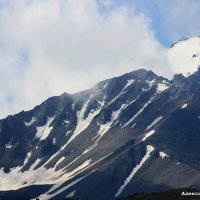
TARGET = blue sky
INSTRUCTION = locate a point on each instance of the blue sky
(170, 19)
(48, 47)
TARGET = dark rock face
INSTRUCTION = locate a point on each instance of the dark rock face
(130, 134)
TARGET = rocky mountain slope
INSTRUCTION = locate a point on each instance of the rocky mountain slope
(135, 133)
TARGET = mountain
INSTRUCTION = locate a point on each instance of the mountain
(184, 56)
(135, 133)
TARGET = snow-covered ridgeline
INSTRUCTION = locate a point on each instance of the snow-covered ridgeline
(149, 149)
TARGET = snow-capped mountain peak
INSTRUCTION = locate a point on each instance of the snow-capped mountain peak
(184, 56)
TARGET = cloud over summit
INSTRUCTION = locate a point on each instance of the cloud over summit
(48, 47)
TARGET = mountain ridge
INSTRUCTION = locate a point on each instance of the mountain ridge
(138, 132)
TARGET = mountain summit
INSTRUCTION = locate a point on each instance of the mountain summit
(184, 56)
(135, 133)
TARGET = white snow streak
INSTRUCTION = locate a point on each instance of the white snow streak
(129, 82)
(59, 161)
(134, 171)
(54, 141)
(138, 113)
(150, 133)
(68, 132)
(41, 176)
(71, 194)
(131, 102)
(105, 86)
(155, 121)
(44, 131)
(82, 123)
(27, 158)
(31, 122)
(105, 127)
(90, 148)
(8, 146)
(46, 196)
(184, 106)
(35, 164)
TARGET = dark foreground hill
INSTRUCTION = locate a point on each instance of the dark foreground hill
(176, 194)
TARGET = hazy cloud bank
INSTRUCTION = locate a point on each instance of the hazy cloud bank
(51, 46)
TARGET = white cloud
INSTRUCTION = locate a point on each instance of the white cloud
(51, 46)
(180, 18)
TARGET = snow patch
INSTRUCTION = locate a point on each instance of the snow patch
(59, 161)
(73, 106)
(105, 127)
(161, 87)
(131, 102)
(151, 83)
(31, 122)
(155, 121)
(27, 158)
(44, 131)
(54, 141)
(144, 90)
(49, 196)
(8, 146)
(184, 106)
(149, 149)
(71, 194)
(181, 56)
(90, 148)
(35, 164)
(105, 86)
(138, 113)
(66, 121)
(68, 132)
(162, 154)
(129, 82)
(150, 133)
(82, 123)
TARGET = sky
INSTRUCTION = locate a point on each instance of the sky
(48, 47)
